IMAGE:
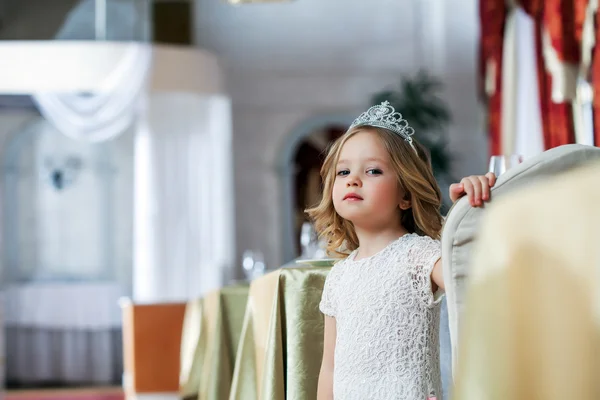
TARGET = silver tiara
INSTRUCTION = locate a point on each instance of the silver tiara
(385, 116)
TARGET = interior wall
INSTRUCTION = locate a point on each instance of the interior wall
(289, 63)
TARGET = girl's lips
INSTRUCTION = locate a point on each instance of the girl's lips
(352, 197)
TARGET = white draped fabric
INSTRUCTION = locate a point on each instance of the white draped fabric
(521, 117)
(62, 332)
(184, 236)
(105, 113)
(583, 114)
(522, 131)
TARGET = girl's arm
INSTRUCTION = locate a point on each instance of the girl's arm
(477, 189)
(437, 277)
(325, 389)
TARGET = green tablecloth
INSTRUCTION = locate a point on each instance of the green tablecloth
(210, 337)
(281, 345)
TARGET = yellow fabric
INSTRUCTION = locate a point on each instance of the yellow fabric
(243, 383)
(531, 327)
(282, 339)
(192, 349)
(220, 318)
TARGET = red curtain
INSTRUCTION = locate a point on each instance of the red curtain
(596, 81)
(562, 20)
(492, 14)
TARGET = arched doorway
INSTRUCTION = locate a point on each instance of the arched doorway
(307, 178)
(58, 204)
(298, 166)
(65, 205)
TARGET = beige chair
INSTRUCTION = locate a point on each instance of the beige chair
(531, 322)
(461, 227)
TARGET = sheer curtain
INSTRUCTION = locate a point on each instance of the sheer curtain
(184, 236)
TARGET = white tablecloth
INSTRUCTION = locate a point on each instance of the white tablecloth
(63, 305)
(63, 332)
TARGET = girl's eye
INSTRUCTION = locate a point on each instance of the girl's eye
(374, 171)
(343, 172)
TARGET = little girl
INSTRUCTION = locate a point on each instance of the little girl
(380, 212)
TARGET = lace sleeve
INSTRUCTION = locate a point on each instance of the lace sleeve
(328, 305)
(423, 255)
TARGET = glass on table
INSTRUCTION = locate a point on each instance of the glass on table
(253, 263)
(308, 240)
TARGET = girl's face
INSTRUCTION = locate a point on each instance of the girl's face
(366, 190)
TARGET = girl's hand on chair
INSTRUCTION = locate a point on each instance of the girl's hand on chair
(476, 187)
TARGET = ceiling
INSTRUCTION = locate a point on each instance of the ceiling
(346, 35)
(349, 35)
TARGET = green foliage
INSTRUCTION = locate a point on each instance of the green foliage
(418, 100)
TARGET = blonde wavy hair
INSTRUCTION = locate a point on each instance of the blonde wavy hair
(415, 179)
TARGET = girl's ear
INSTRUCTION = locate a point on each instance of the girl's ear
(405, 204)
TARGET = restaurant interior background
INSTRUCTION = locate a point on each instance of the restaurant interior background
(147, 146)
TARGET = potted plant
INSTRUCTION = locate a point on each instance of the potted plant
(418, 99)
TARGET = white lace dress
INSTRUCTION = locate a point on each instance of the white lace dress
(387, 320)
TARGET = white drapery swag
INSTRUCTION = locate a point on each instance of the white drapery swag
(104, 114)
